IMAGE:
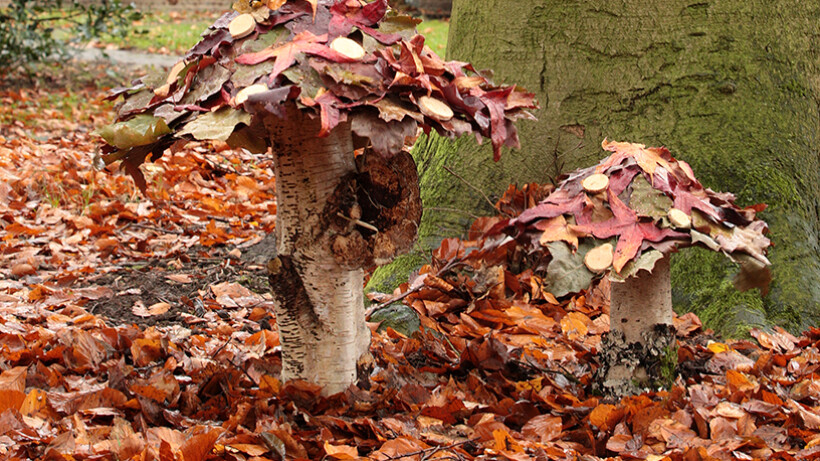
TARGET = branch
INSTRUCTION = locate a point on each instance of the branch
(54, 18)
(493, 205)
(427, 452)
(370, 311)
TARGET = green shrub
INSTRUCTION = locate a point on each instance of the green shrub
(29, 28)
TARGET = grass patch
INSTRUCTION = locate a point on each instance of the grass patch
(166, 33)
(435, 32)
(174, 33)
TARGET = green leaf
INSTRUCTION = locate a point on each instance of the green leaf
(275, 36)
(248, 75)
(566, 272)
(648, 201)
(216, 125)
(138, 131)
(398, 317)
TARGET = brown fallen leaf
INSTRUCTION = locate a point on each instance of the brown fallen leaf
(180, 278)
(140, 310)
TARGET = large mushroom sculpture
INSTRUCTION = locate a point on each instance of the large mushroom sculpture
(623, 218)
(317, 82)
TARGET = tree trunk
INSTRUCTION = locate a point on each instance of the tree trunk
(730, 86)
(318, 303)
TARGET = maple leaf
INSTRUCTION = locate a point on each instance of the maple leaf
(624, 224)
(287, 53)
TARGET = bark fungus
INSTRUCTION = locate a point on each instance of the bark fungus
(623, 218)
(313, 81)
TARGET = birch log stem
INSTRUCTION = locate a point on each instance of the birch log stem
(318, 304)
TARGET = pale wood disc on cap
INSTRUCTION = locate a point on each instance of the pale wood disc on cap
(599, 258)
(595, 183)
(242, 25)
(435, 108)
(679, 219)
(246, 92)
(347, 47)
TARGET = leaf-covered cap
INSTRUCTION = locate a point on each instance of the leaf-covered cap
(337, 60)
(634, 207)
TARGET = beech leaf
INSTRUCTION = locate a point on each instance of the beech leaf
(648, 201)
(567, 272)
(217, 125)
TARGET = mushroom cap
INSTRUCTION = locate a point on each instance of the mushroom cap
(651, 205)
(335, 59)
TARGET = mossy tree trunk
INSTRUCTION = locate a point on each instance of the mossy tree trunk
(730, 86)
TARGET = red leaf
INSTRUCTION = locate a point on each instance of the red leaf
(648, 158)
(350, 13)
(555, 205)
(329, 105)
(496, 102)
(624, 224)
(286, 54)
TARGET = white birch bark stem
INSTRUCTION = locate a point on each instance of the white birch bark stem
(641, 302)
(318, 304)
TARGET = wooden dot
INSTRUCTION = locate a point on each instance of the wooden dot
(679, 219)
(242, 26)
(595, 183)
(347, 47)
(599, 258)
(244, 93)
(435, 108)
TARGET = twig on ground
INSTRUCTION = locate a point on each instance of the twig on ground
(230, 360)
(563, 372)
(427, 452)
(149, 227)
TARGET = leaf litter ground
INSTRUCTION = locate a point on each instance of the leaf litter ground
(140, 329)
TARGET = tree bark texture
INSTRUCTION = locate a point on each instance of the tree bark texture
(730, 86)
(318, 301)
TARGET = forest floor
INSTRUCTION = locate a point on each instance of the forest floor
(136, 327)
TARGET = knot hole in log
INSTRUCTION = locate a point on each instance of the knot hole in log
(384, 194)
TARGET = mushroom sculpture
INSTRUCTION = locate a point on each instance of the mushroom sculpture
(622, 218)
(316, 81)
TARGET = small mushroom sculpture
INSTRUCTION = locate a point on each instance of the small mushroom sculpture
(622, 218)
(315, 81)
